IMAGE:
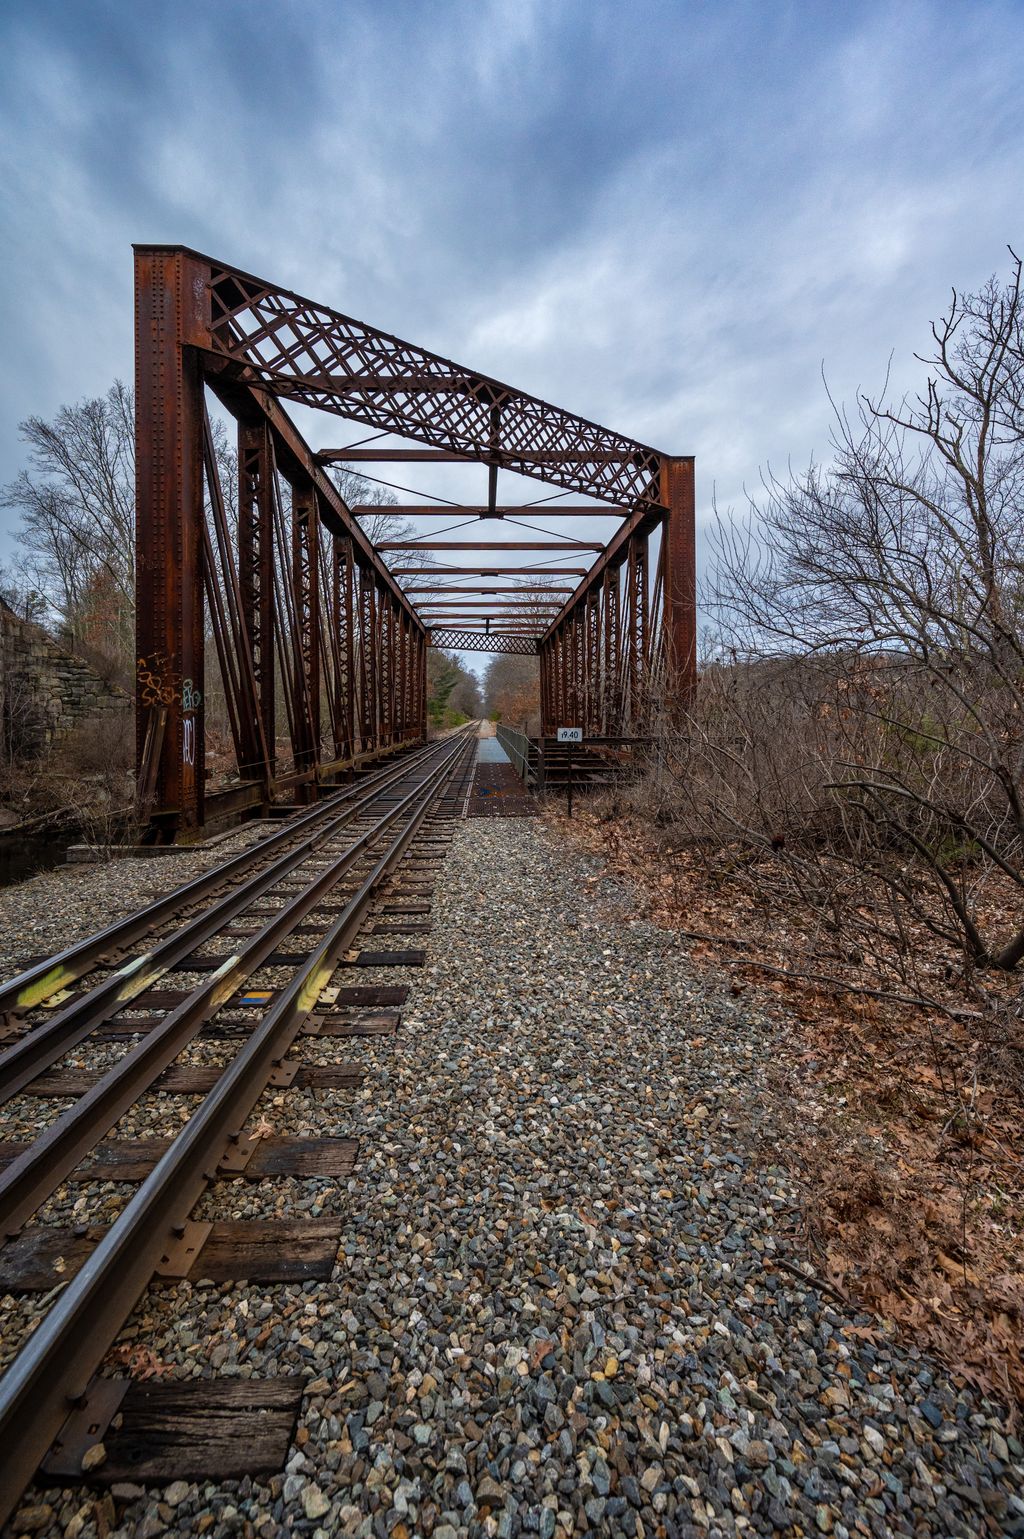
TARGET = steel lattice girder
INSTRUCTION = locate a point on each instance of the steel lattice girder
(480, 641)
(325, 359)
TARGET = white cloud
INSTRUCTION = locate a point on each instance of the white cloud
(667, 226)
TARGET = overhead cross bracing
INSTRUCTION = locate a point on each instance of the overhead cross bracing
(319, 633)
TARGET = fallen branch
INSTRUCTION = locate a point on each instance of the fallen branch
(816, 1282)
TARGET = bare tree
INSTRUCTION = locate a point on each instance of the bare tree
(512, 683)
(512, 691)
(77, 528)
(77, 505)
(884, 595)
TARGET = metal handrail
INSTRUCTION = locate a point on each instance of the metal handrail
(517, 745)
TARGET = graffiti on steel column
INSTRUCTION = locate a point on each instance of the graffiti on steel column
(155, 679)
(158, 686)
(191, 700)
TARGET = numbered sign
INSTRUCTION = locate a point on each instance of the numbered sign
(570, 734)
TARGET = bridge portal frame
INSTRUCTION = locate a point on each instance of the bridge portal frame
(301, 607)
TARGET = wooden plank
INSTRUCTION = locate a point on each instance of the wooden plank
(159, 999)
(217, 1030)
(362, 994)
(386, 959)
(252, 998)
(379, 1025)
(399, 927)
(116, 1031)
(35, 1261)
(132, 1159)
(120, 1159)
(188, 1079)
(333, 1157)
(271, 1250)
(408, 907)
(196, 1429)
(261, 1251)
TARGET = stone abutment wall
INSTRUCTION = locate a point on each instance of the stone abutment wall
(45, 691)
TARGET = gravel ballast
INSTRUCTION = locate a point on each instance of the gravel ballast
(557, 1308)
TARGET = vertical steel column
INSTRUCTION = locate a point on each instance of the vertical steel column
(679, 569)
(256, 572)
(643, 607)
(398, 653)
(545, 686)
(593, 692)
(172, 314)
(380, 665)
(638, 642)
(632, 626)
(423, 685)
(391, 664)
(546, 649)
(384, 664)
(350, 606)
(611, 723)
(559, 701)
(381, 681)
(306, 591)
(542, 668)
(575, 667)
(367, 638)
(342, 624)
(403, 676)
(586, 647)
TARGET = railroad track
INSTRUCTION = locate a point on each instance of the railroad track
(244, 961)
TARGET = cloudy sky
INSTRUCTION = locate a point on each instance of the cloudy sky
(663, 214)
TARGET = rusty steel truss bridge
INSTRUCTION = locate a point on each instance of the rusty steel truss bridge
(320, 634)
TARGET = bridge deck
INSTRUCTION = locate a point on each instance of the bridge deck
(497, 791)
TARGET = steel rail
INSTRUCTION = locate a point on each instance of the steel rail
(39, 982)
(48, 1041)
(50, 1375)
(27, 1182)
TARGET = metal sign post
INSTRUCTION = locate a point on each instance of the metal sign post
(569, 736)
